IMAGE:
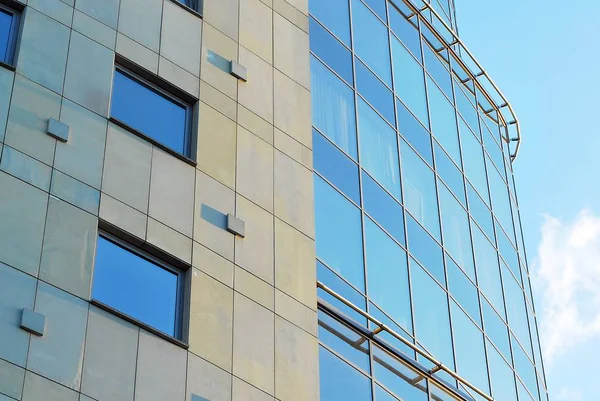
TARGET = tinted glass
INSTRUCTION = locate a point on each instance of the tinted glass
(469, 349)
(387, 274)
(425, 250)
(463, 290)
(335, 15)
(379, 7)
(371, 41)
(331, 51)
(333, 110)
(473, 162)
(516, 310)
(414, 132)
(406, 31)
(149, 112)
(409, 80)
(376, 93)
(334, 165)
(432, 322)
(5, 28)
(465, 108)
(135, 286)
(443, 121)
(419, 190)
(344, 341)
(193, 4)
(341, 382)
(379, 149)
(450, 173)
(397, 377)
(495, 329)
(438, 70)
(383, 208)
(525, 369)
(480, 212)
(457, 236)
(500, 200)
(333, 281)
(502, 377)
(338, 233)
(488, 270)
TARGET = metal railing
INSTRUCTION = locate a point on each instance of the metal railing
(382, 327)
(477, 74)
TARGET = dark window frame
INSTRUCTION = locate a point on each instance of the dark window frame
(167, 90)
(15, 11)
(195, 6)
(162, 260)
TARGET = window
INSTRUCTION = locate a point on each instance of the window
(152, 112)
(138, 286)
(9, 29)
(195, 5)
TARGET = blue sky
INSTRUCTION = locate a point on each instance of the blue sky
(545, 56)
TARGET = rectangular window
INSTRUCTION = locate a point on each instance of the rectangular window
(9, 29)
(195, 5)
(152, 112)
(138, 286)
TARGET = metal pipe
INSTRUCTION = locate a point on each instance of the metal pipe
(438, 365)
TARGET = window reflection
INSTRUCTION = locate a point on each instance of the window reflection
(409, 80)
(496, 329)
(335, 15)
(425, 250)
(383, 208)
(516, 311)
(502, 376)
(463, 290)
(414, 132)
(473, 162)
(376, 93)
(379, 149)
(331, 51)
(406, 31)
(420, 197)
(438, 71)
(488, 270)
(335, 166)
(6, 21)
(333, 110)
(450, 174)
(339, 381)
(431, 315)
(443, 121)
(371, 41)
(135, 286)
(338, 233)
(150, 112)
(333, 281)
(344, 341)
(398, 378)
(387, 274)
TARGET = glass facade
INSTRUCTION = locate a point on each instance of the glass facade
(416, 212)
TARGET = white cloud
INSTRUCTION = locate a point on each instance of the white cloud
(566, 274)
(568, 394)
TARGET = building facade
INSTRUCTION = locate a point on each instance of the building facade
(174, 226)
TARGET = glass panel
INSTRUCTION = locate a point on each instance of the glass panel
(508, 252)
(333, 281)
(463, 290)
(480, 212)
(379, 7)
(341, 382)
(379, 149)
(438, 71)
(393, 341)
(383, 208)
(338, 233)
(515, 308)
(488, 270)
(496, 329)
(419, 190)
(335, 15)
(457, 236)
(409, 80)
(412, 130)
(149, 112)
(406, 31)
(333, 110)
(371, 41)
(451, 174)
(376, 93)
(425, 250)
(344, 341)
(500, 200)
(525, 369)
(466, 108)
(135, 286)
(339, 169)
(387, 274)
(470, 349)
(443, 121)
(397, 377)
(473, 162)
(502, 377)
(331, 51)
(432, 322)
(5, 28)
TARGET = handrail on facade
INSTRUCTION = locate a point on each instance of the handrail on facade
(383, 327)
(471, 66)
